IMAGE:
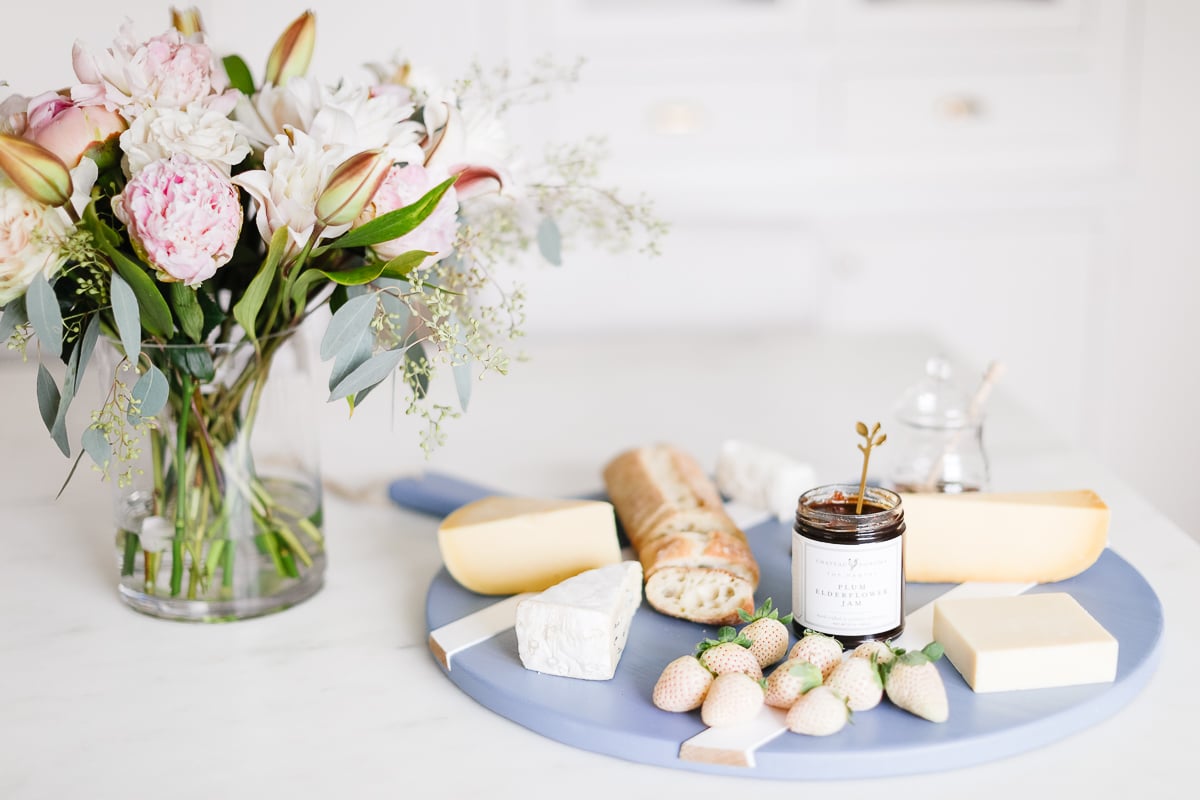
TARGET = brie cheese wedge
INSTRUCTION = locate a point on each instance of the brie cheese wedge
(578, 628)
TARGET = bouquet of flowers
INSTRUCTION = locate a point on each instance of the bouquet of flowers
(195, 217)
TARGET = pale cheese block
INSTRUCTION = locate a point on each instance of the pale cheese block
(1029, 641)
(578, 628)
(1037, 537)
(508, 545)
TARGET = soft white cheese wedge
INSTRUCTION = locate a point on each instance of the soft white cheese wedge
(1031, 641)
(578, 628)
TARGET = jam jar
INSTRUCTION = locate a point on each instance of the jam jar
(847, 567)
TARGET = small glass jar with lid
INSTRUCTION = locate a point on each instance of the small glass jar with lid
(938, 445)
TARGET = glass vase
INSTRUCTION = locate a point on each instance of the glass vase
(218, 496)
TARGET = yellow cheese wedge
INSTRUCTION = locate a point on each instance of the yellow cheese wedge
(1030, 641)
(507, 545)
(1023, 537)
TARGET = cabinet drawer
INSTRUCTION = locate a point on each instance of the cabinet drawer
(714, 122)
(965, 112)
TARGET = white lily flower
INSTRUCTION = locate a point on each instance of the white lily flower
(295, 170)
(350, 117)
(470, 143)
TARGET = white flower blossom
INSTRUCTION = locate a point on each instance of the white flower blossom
(132, 76)
(286, 189)
(30, 234)
(200, 131)
(350, 117)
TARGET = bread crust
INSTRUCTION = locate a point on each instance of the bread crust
(697, 562)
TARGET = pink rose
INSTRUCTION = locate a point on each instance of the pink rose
(404, 186)
(183, 216)
(70, 131)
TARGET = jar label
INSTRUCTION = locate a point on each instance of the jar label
(850, 589)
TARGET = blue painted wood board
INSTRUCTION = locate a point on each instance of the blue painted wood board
(617, 718)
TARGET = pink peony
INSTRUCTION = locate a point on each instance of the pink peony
(404, 186)
(167, 71)
(184, 217)
(68, 130)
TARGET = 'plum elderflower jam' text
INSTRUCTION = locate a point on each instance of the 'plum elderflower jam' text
(848, 567)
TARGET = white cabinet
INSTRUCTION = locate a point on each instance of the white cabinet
(850, 164)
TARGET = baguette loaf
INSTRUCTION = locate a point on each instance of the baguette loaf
(697, 562)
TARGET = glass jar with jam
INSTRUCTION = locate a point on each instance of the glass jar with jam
(848, 567)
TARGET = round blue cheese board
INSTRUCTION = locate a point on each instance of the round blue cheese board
(616, 717)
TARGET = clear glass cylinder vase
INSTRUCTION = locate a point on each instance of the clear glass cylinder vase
(218, 496)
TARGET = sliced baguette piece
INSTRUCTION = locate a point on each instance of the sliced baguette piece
(651, 484)
(700, 594)
(675, 520)
(695, 544)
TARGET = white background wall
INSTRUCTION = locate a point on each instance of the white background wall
(1023, 179)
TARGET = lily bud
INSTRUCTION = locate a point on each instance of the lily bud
(291, 54)
(187, 21)
(35, 170)
(351, 186)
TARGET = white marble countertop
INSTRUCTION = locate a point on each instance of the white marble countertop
(339, 696)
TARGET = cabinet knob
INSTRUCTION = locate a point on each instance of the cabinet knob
(676, 118)
(959, 107)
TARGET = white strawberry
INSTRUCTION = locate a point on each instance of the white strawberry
(767, 632)
(817, 648)
(683, 685)
(790, 680)
(734, 697)
(912, 682)
(857, 680)
(729, 652)
(883, 651)
(818, 712)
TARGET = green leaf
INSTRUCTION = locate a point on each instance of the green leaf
(48, 399)
(549, 241)
(150, 392)
(96, 445)
(102, 233)
(14, 315)
(42, 306)
(398, 267)
(462, 382)
(346, 324)
(195, 360)
(808, 673)
(354, 352)
(156, 314)
(125, 312)
(239, 74)
(368, 374)
(187, 310)
(82, 354)
(933, 651)
(394, 224)
(462, 366)
(213, 315)
(245, 311)
(419, 381)
(338, 298)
